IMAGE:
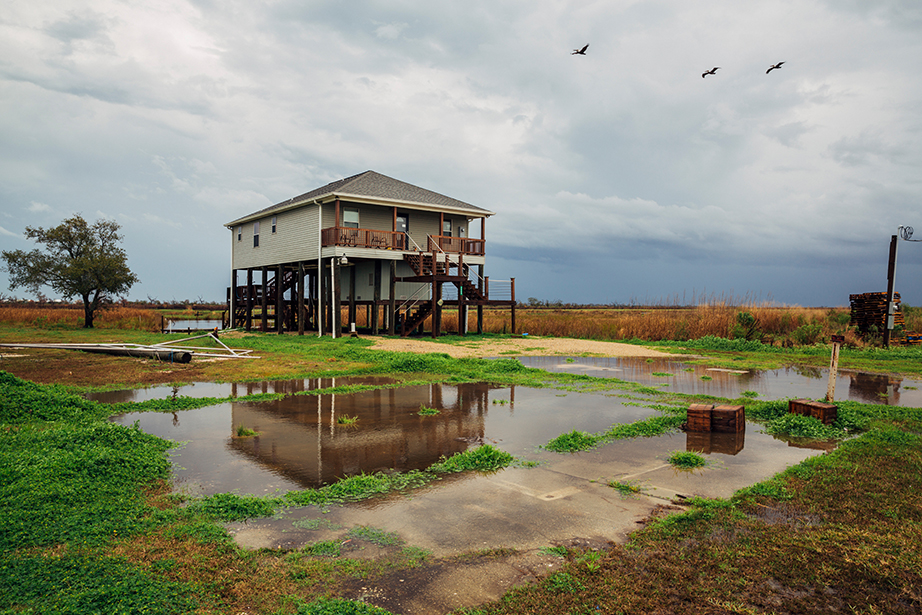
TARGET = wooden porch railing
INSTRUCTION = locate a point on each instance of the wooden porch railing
(390, 240)
(459, 245)
(362, 238)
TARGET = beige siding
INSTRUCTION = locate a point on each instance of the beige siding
(296, 238)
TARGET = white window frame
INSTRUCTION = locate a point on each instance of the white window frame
(349, 223)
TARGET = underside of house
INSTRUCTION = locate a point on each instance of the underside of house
(366, 253)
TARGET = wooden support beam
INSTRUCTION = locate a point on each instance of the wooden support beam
(337, 299)
(264, 316)
(232, 300)
(279, 299)
(392, 298)
(375, 325)
(249, 314)
(301, 314)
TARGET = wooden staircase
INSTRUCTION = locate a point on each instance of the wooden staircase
(414, 317)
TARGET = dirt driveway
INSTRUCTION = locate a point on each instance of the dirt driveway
(526, 346)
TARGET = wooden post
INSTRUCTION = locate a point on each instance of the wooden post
(480, 305)
(891, 278)
(301, 314)
(232, 300)
(279, 299)
(392, 298)
(376, 297)
(352, 311)
(513, 306)
(337, 299)
(264, 317)
(436, 312)
(834, 368)
(249, 315)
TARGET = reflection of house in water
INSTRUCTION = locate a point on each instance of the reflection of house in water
(874, 388)
(299, 436)
(715, 442)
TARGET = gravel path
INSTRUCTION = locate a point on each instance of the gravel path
(534, 346)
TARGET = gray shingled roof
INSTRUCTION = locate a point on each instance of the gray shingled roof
(375, 186)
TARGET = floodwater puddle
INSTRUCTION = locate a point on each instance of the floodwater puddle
(785, 382)
(306, 441)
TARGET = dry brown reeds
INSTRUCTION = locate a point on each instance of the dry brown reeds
(768, 324)
(110, 318)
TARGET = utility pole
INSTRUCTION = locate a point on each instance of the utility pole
(891, 276)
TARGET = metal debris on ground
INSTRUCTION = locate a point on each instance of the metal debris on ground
(164, 351)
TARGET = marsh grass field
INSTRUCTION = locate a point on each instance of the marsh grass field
(90, 523)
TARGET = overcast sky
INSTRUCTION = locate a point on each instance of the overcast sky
(619, 176)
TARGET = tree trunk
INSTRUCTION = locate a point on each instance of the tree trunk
(87, 312)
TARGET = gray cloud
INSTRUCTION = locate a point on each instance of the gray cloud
(615, 175)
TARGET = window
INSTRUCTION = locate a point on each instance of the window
(256, 234)
(446, 228)
(351, 217)
(239, 233)
(273, 224)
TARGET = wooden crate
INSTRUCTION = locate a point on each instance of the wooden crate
(699, 417)
(819, 410)
(728, 419)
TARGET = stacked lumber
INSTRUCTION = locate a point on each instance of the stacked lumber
(819, 410)
(869, 309)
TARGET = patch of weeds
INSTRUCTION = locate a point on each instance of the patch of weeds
(87, 584)
(800, 426)
(234, 507)
(563, 582)
(427, 411)
(572, 442)
(706, 378)
(245, 432)
(625, 488)
(663, 374)
(202, 532)
(686, 460)
(749, 394)
(336, 606)
(557, 551)
(375, 536)
(501, 402)
(347, 420)
(570, 360)
(315, 524)
(486, 458)
(324, 548)
(413, 557)
(591, 559)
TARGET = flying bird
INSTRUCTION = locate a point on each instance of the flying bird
(709, 72)
(774, 66)
(580, 52)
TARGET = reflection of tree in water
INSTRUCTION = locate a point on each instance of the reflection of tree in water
(808, 371)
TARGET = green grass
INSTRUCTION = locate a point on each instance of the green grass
(76, 493)
(245, 432)
(686, 460)
(427, 411)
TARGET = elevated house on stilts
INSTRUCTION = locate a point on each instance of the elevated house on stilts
(400, 253)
